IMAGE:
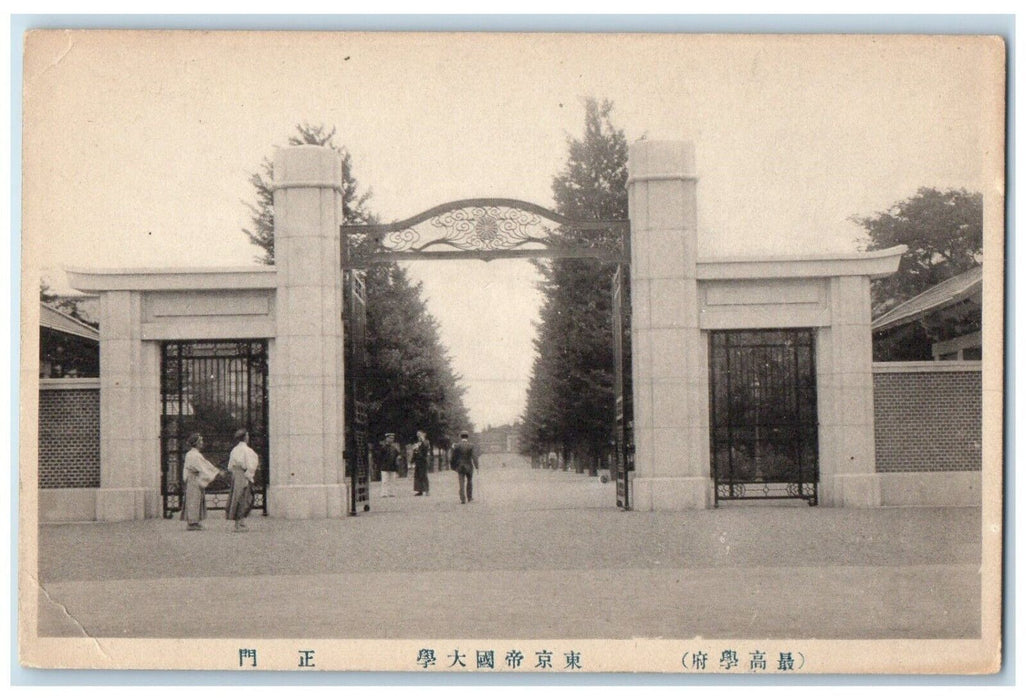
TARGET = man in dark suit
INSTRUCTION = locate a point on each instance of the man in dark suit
(464, 462)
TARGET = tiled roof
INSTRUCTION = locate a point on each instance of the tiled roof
(940, 296)
(50, 317)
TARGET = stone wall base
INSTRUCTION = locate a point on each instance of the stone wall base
(931, 489)
(117, 504)
(67, 505)
(850, 491)
(672, 493)
(307, 502)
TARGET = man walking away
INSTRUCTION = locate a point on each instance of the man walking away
(464, 462)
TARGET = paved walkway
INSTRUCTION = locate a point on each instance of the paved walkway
(538, 554)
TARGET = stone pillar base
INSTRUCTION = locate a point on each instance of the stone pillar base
(113, 505)
(307, 502)
(850, 491)
(672, 493)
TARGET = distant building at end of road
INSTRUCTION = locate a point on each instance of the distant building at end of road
(501, 438)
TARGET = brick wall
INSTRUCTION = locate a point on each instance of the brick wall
(69, 433)
(928, 416)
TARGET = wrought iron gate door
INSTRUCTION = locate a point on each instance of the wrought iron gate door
(355, 331)
(212, 387)
(623, 392)
(763, 414)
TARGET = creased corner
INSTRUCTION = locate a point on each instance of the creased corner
(78, 625)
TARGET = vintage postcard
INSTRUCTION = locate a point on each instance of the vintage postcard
(512, 353)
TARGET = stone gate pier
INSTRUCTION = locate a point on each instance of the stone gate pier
(679, 299)
(294, 305)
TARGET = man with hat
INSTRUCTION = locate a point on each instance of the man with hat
(464, 462)
(389, 465)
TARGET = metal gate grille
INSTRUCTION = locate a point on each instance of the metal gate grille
(622, 389)
(212, 387)
(354, 324)
(763, 414)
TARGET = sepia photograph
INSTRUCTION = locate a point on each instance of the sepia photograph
(519, 353)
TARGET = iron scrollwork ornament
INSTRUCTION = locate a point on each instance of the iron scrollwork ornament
(472, 228)
(486, 229)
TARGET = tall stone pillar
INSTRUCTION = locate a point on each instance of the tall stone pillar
(306, 373)
(670, 355)
(129, 412)
(844, 361)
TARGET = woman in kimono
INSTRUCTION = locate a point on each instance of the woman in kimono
(243, 463)
(195, 508)
(421, 455)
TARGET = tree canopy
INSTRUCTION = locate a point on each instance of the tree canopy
(409, 379)
(944, 234)
(69, 305)
(410, 382)
(570, 394)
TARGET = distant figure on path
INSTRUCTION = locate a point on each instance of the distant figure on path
(243, 463)
(197, 472)
(421, 454)
(464, 462)
(389, 465)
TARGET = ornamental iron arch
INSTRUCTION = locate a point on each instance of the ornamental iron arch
(485, 229)
(482, 229)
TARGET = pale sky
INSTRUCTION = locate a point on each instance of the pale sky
(138, 146)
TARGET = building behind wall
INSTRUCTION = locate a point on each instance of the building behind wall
(944, 322)
(928, 394)
(68, 347)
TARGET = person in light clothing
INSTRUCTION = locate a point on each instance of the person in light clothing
(389, 465)
(243, 464)
(197, 472)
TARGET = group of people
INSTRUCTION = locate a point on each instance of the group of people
(463, 461)
(197, 473)
(243, 463)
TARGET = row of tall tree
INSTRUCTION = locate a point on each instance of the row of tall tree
(570, 397)
(409, 379)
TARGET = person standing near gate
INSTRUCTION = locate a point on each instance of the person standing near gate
(197, 472)
(464, 462)
(243, 463)
(421, 454)
(389, 465)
